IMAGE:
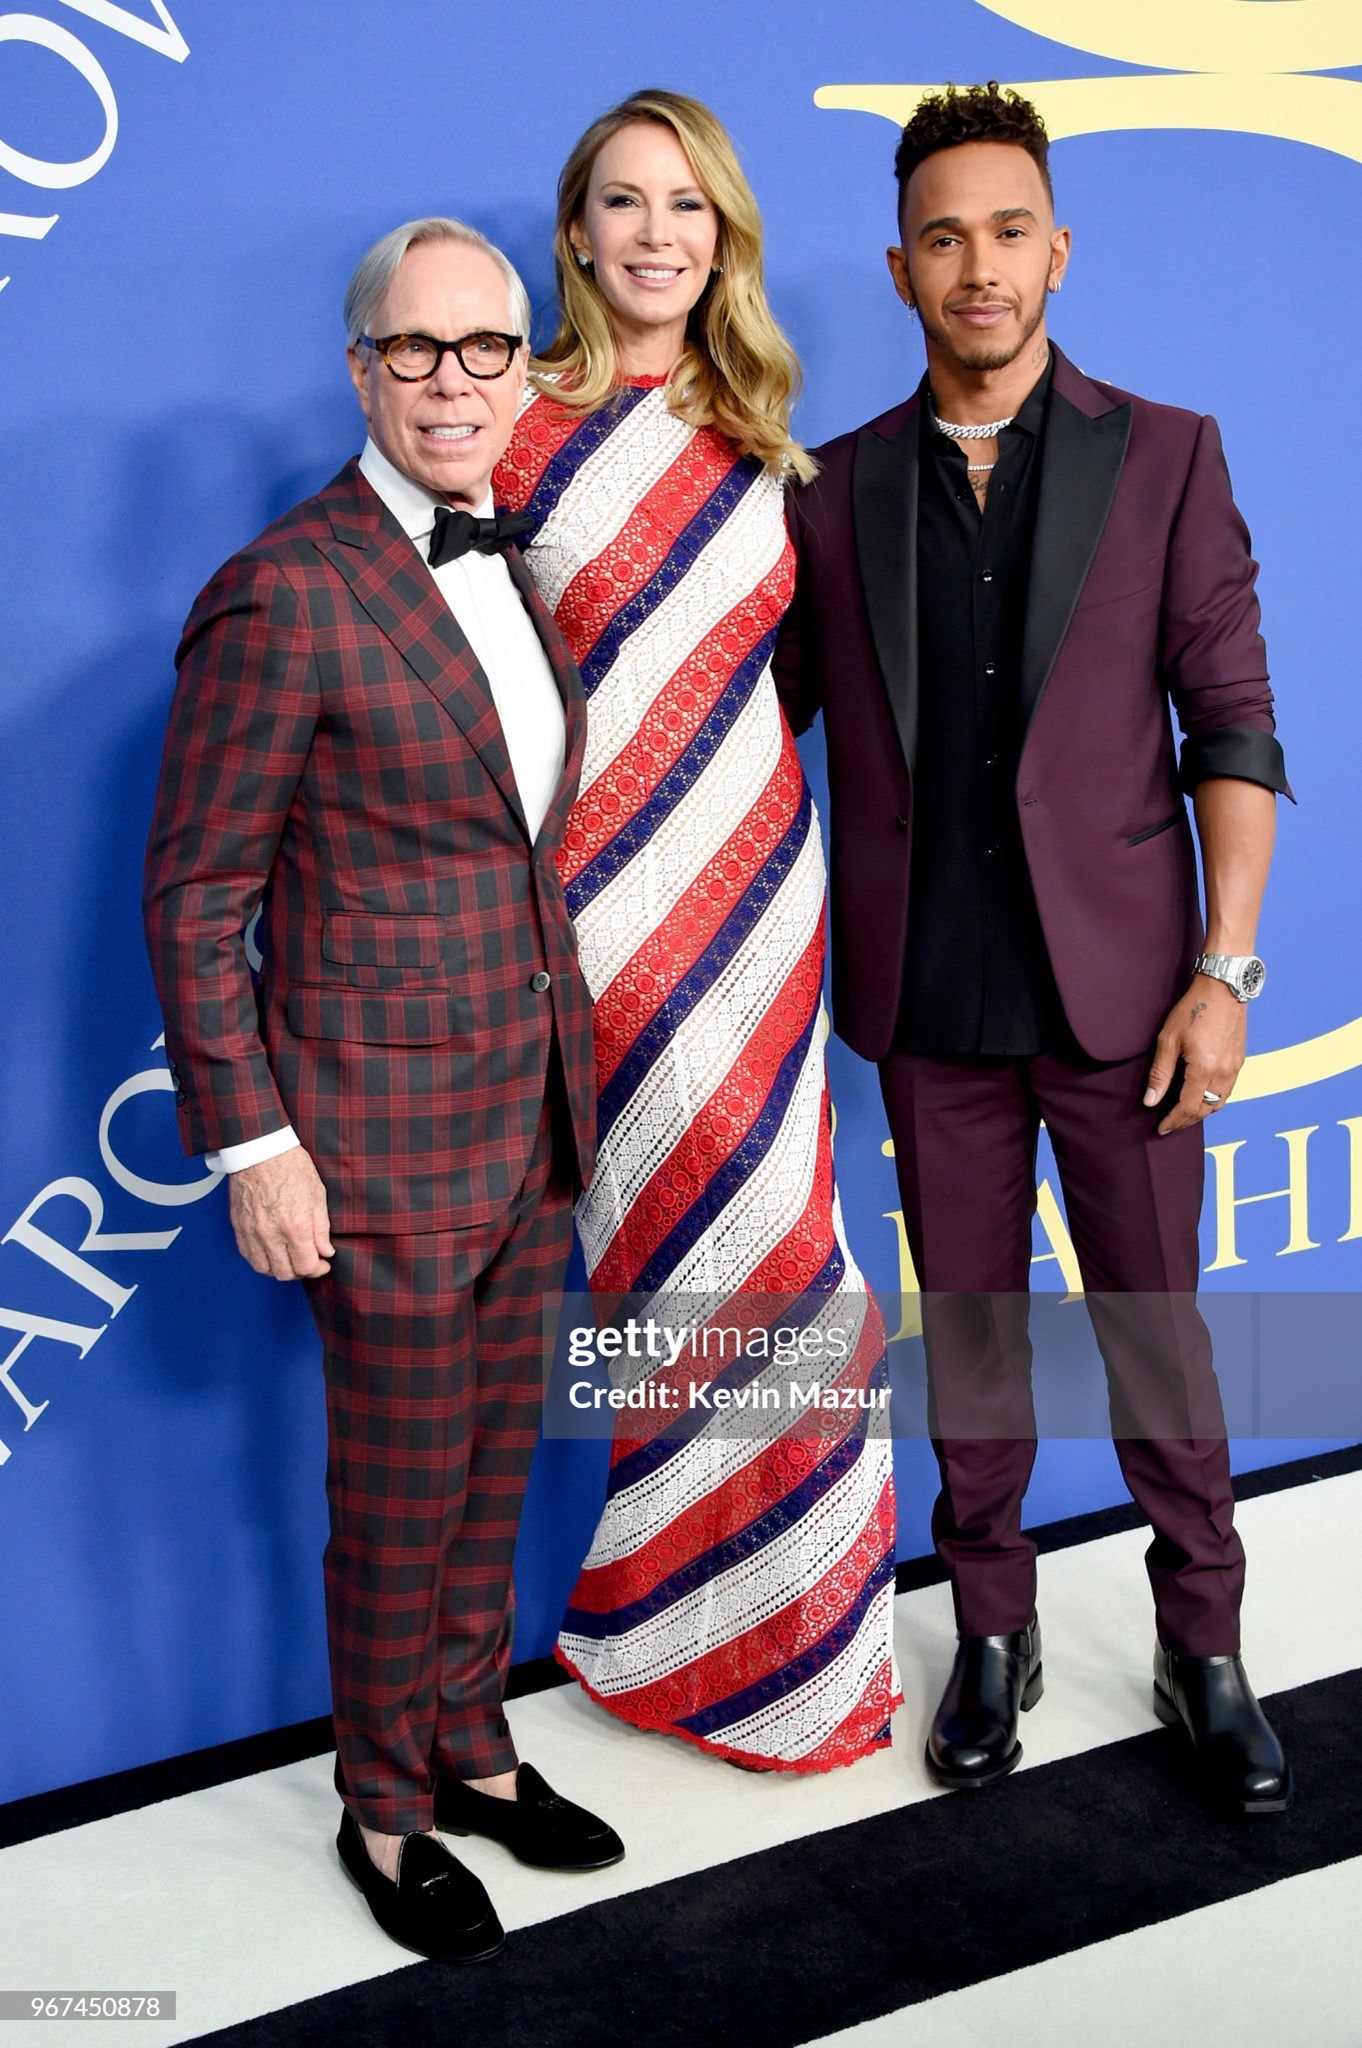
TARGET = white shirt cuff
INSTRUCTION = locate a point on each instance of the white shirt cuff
(251, 1151)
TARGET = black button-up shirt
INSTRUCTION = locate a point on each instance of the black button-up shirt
(977, 975)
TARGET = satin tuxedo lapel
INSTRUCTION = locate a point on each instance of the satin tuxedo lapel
(388, 578)
(1085, 444)
(1081, 461)
(884, 496)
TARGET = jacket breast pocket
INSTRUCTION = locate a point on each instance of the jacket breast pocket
(1122, 584)
(371, 1016)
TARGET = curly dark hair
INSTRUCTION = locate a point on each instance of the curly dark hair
(971, 113)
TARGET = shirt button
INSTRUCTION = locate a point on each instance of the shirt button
(539, 982)
(988, 576)
(989, 668)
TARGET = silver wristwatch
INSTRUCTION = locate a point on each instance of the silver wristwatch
(1242, 973)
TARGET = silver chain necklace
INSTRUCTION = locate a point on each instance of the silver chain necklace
(955, 433)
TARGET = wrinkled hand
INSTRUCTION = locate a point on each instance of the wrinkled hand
(278, 1211)
(1208, 1032)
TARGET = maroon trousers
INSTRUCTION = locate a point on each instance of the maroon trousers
(965, 1135)
(434, 1351)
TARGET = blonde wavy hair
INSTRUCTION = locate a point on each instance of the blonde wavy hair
(738, 372)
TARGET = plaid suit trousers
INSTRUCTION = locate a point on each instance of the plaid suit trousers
(433, 1351)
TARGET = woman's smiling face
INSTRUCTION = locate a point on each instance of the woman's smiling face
(652, 235)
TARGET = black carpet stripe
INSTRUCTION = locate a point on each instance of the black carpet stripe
(780, 1948)
(1298, 1472)
(915, 1572)
(71, 1806)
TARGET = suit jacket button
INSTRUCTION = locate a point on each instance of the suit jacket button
(539, 982)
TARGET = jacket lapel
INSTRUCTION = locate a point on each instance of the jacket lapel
(566, 676)
(884, 496)
(1086, 434)
(393, 585)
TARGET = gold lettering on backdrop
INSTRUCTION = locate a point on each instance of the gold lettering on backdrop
(1296, 1195)
(1051, 1219)
(1353, 1126)
(1324, 111)
(1225, 1167)
(910, 1321)
(1235, 65)
(1301, 1066)
(1199, 35)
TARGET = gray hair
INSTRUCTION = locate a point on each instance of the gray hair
(377, 268)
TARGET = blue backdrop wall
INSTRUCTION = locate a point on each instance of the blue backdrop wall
(184, 190)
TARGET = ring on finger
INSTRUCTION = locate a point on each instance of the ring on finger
(1209, 1095)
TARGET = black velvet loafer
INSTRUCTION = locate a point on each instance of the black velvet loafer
(1239, 1760)
(537, 1826)
(435, 1907)
(994, 1679)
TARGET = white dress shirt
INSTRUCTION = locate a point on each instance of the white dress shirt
(492, 615)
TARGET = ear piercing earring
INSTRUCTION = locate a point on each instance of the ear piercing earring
(583, 259)
(1055, 283)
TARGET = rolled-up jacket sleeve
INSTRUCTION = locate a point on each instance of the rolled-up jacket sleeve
(1234, 750)
(1213, 659)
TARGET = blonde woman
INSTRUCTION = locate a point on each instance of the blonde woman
(739, 1589)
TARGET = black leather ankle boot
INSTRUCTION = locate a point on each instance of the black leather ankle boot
(994, 1680)
(1239, 1759)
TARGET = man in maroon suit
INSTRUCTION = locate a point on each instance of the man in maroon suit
(1002, 584)
(378, 731)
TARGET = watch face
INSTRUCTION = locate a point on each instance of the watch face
(1251, 979)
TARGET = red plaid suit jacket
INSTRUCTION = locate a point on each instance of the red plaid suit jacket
(333, 746)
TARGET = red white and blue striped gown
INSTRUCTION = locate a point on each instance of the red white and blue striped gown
(738, 1592)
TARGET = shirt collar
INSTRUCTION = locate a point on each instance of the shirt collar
(411, 504)
(1032, 414)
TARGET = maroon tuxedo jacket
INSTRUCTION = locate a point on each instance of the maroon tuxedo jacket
(333, 744)
(1141, 591)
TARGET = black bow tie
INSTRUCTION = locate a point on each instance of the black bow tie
(456, 533)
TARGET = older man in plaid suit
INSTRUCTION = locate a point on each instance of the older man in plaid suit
(378, 731)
